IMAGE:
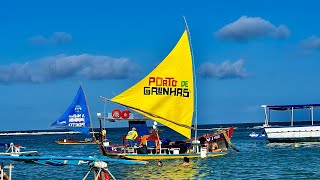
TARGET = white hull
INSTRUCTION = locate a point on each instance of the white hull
(25, 153)
(293, 133)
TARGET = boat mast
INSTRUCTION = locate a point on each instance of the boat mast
(85, 98)
(195, 85)
(266, 121)
(291, 116)
(311, 115)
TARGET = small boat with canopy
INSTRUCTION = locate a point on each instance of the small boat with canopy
(293, 130)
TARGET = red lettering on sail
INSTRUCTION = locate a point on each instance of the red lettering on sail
(160, 81)
(151, 80)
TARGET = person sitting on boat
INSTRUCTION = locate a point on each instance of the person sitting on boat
(185, 162)
(131, 136)
(215, 147)
(204, 142)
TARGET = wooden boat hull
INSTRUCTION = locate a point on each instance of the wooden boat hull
(223, 140)
(167, 156)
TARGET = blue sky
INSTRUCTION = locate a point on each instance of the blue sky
(246, 54)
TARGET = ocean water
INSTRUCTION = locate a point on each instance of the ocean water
(257, 159)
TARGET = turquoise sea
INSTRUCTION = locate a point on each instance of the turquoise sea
(257, 159)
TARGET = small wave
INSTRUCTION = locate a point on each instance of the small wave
(281, 145)
(309, 144)
(36, 133)
(298, 144)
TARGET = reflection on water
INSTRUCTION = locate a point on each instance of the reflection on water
(171, 169)
(294, 145)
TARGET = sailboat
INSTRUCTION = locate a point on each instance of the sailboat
(77, 118)
(168, 96)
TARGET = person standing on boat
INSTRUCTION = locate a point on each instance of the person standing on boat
(143, 149)
(131, 136)
(103, 133)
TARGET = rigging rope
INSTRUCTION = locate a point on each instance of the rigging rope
(85, 177)
(104, 113)
(109, 173)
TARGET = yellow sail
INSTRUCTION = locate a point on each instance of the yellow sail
(166, 95)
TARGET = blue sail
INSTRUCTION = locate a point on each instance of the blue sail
(76, 117)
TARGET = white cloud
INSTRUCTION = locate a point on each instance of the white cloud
(312, 42)
(60, 67)
(247, 28)
(225, 70)
(55, 38)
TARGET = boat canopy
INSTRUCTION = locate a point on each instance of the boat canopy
(289, 107)
(141, 127)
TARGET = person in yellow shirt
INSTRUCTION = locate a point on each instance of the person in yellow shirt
(131, 136)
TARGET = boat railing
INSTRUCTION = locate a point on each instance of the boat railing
(131, 150)
(152, 150)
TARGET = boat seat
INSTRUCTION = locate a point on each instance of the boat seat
(164, 150)
(131, 150)
(151, 150)
(174, 150)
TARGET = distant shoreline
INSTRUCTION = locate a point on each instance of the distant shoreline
(66, 131)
